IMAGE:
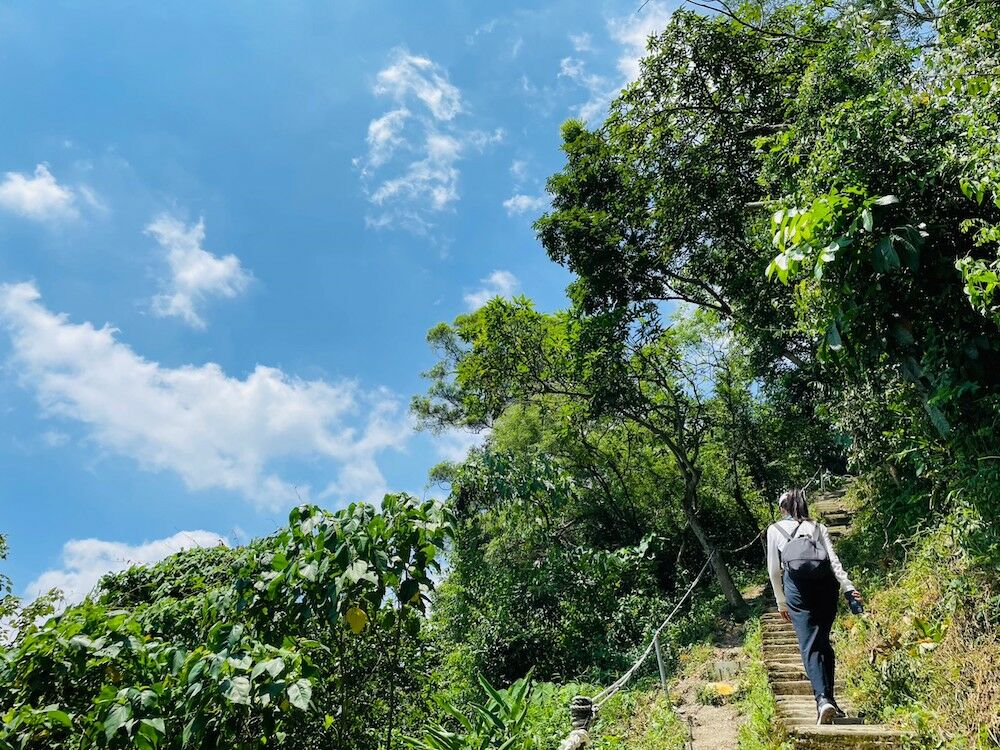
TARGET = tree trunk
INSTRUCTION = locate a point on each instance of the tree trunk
(719, 566)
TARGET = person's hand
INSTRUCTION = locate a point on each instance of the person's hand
(856, 596)
(784, 615)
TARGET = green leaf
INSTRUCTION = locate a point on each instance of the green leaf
(300, 693)
(117, 717)
(884, 257)
(193, 730)
(59, 716)
(308, 571)
(491, 691)
(833, 339)
(273, 667)
(238, 690)
(886, 200)
(234, 635)
(279, 562)
(866, 220)
(408, 590)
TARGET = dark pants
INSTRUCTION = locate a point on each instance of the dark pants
(812, 610)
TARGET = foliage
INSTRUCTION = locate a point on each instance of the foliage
(927, 654)
(500, 722)
(785, 242)
(529, 586)
(639, 719)
(237, 648)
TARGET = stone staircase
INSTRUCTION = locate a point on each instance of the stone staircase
(792, 691)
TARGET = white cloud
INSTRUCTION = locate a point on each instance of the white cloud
(581, 42)
(410, 170)
(195, 273)
(55, 438)
(454, 445)
(84, 561)
(601, 90)
(482, 30)
(519, 171)
(633, 32)
(521, 204)
(38, 197)
(420, 77)
(571, 67)
(497, 284)
(211, 429)
(434, 177)
(384, 136)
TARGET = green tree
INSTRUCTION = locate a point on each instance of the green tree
(603, 366)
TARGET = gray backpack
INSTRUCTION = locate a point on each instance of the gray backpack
(805, 558)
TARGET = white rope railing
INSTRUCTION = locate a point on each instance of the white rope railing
(601, 698)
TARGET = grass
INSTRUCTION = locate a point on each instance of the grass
(640, 719)
(926, 656)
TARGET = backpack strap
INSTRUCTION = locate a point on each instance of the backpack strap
(785, 533)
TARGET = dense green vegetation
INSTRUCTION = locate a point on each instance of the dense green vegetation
(785, 242)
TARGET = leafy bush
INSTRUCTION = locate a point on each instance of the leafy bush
(307, 637)
(500, 722)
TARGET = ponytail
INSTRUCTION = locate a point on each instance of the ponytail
(793, 503)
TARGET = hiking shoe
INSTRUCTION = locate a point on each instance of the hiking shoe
(825, 712)
(841, 713)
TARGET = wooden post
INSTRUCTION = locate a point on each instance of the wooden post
(659, 662)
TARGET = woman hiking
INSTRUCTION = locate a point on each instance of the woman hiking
(807, 577)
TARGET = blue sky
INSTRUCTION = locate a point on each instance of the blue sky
(225, 229)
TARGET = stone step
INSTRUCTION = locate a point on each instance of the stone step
(808, 718)
(786, 672)
(797, 687)
(802, 704)
(831, 516)
(786, 675)
(862, 737)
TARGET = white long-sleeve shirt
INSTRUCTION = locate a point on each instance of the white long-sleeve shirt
(776, 542)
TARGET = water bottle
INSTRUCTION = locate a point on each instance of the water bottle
(856, 606)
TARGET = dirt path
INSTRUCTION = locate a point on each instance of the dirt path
(712, 727)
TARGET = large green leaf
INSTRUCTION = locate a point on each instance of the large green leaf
(300, 693)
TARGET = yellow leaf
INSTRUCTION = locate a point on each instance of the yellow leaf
(357, 619)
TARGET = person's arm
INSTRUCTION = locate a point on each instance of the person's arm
(838, 568)
(774, 568)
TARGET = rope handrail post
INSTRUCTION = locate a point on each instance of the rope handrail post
(659, 662)
(581, 711)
